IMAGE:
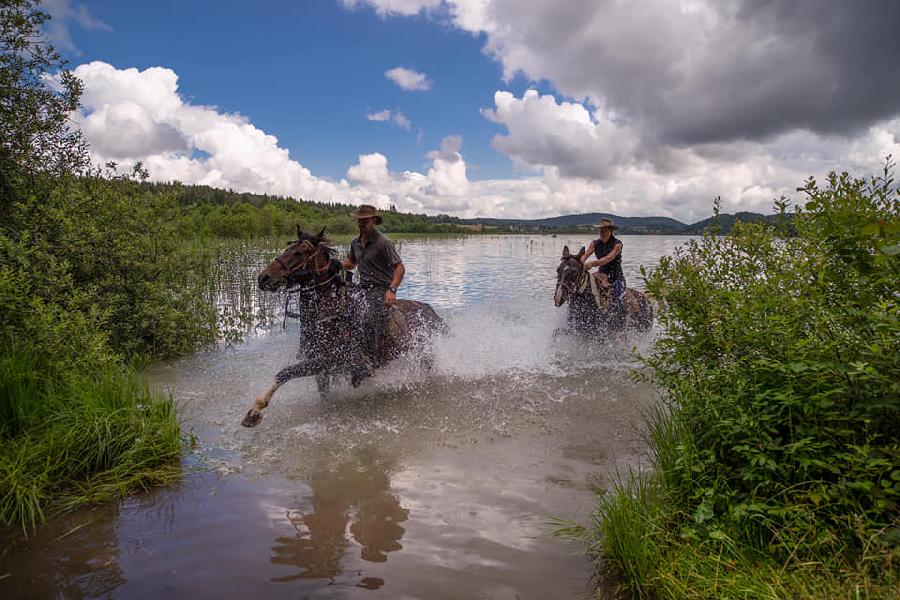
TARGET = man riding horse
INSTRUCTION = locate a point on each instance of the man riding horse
(346, 329)
(381, 272)
(608, 250)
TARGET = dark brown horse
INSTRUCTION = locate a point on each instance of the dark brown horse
(591, 309)
(330, 310)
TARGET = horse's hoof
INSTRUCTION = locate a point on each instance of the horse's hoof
(252, 419)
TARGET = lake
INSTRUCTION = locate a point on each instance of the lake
(415, 485)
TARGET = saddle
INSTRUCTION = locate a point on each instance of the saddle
(602, 280)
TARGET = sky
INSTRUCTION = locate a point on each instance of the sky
(495, 108)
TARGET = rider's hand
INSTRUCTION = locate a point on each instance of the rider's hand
(389, 298)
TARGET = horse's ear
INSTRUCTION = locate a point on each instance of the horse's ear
(566, 252)
(321, 234)
(299, 232)
(581, 252)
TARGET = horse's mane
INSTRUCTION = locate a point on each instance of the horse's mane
(320, 242)
(326, 249)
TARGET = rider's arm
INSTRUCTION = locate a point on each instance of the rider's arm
(587, 253)
(399, 271)
(349, 262)
(605, 259)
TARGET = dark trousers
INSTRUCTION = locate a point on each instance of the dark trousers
(374, 320)
(617, 304)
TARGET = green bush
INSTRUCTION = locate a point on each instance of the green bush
(776, 456)
(92, 276)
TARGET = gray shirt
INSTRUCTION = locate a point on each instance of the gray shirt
(376, 260)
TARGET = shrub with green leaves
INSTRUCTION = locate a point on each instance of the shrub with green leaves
(92, 275)
(778, 444)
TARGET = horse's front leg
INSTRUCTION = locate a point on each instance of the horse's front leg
(301, 369)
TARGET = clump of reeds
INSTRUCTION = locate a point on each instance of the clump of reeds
(68, 440)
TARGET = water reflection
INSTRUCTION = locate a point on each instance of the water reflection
(73, 557)
(353, 496)
(513, 424)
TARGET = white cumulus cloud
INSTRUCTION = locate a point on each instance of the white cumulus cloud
(659, 106)
(132, 115)
(544, 132)
(396, 117)
(408, 79)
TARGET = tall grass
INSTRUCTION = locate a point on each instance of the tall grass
(76, 439)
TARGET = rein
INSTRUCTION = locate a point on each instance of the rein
(300, 290)
(588, 279)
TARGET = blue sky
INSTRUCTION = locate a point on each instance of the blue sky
(309, 72)
(534, 108)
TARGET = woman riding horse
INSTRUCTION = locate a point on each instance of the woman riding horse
(608, 249)
(591, 309)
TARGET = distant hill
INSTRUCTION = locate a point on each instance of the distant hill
(225, 213)
(584, 223)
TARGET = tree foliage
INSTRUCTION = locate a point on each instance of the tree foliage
(36, 99)
(91, 275)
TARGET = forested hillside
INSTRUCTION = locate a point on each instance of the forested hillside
(211, 212)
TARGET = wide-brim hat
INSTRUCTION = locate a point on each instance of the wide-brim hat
(367, 211)
(606, 223)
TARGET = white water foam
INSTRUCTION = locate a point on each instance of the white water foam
(513, 341)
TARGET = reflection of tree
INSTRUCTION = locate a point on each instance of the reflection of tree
(357, 492)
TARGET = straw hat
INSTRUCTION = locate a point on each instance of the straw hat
(367, 211)
(606, 223)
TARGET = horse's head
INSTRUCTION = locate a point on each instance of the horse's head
(568, 275)
(306, 260)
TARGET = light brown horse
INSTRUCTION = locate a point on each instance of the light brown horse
(591, 309)
(330, 310)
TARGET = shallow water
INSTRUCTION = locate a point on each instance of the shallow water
(416, 485)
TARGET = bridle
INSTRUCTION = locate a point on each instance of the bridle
(302, 289)
(313, 255)
(580, 283)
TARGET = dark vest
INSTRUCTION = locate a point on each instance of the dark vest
(613, 268)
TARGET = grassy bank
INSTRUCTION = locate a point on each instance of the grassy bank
(775, 458)
(71, 440)
(92, 284)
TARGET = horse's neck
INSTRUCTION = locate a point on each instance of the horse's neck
(583, 277)
(325, 308)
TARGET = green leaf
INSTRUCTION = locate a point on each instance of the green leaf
(871, 229)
